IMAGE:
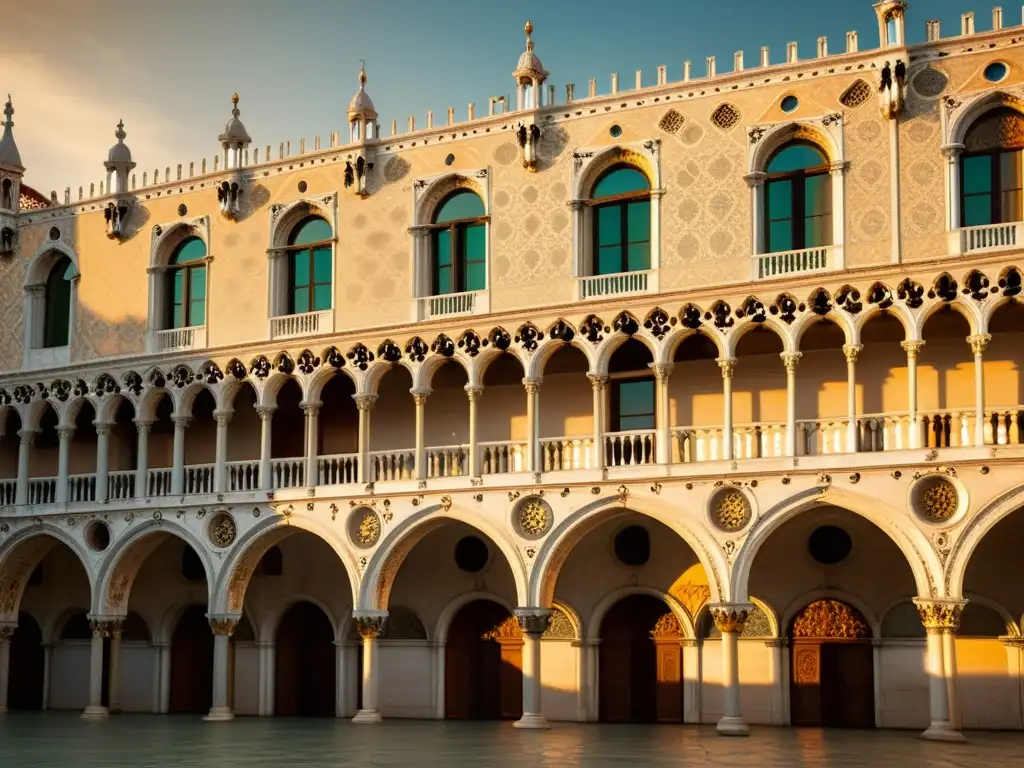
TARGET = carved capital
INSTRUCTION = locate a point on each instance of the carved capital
(662, 371)
(533, 621)
(28, 436)
(371, 625)
(266, 412)
(311, 409)
(106, 627)
(7, 632)
(730, 617)
(143, 427)
(790, 360)
(532, 385)
(597, 381)
(755, 179)
(223, 417)
(181, 421)
(912, 348)
(419, 396)
(940, 615)
(65, 432)
(223, 625)
(979, 343)
(102, 427)
(473, 392)
(365, 402)
(728, 366)
(852, 352)
(952, 151)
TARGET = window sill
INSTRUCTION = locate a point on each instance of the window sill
(453, 305)
(991, 237)
(304, 324)
(824, 258)
(620, 284)
(177, 339)
(48, 357)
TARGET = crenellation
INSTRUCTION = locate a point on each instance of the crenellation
(592, 88)
(711, 70)
(639, 80)
(792, 55)
(933, 30)
(967, 24)
(997, 18)
(737, 61)
(822, 47)
(662, 75)
(852, 43)
(615, 83)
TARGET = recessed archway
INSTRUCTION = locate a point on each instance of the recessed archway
(483, 663)
(305, 663)
(26, 665)
(191, 678)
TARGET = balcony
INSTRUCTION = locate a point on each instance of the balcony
(181, 339)
(453, 305)
(824, 258)
(305, 324)
(991, 237)
(621, 284)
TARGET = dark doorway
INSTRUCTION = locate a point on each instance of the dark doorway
(192, 663)
(305, 665)
(27, 664)
(640, 669)
(483, 664)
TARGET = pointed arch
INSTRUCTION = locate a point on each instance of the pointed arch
(973, 110)
(989, 515)
(778, 136)
(676, 337)
(20, 555)
(271, 620)
(592, 625)
(606, 349)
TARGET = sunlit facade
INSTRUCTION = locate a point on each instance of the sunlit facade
(693, 402)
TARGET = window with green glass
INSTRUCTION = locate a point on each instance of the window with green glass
(621, 209)
(990, 187)
(309, 266)
(187, 306)
(459, 244)
(57, 320)
(798, 199)
(633, 404)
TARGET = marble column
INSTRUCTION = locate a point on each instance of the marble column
(102, 459)
(64, 435)
(912, 348)
(6, 632)
(473, 393)
(142, 459)
(728, 366)
(852, 352)
(663, 412)
(312, 412)
(534, 623)
(47, 662)
(691, 680)
(370, 625)
(599, 385)
(779, 680)
(220, 467)
(28, 437)
(979, 345)
(790, 360)
(178, 467)
(939, 617)
(730, 618)
(266, 414)
(223, 627)
(419, 397)
(102, 628)
(365, 405)
(534, 461)
(114, 673)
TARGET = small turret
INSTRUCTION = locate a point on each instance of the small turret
(235, 140)
(119, 163)
(892, 23)
(362, 117)
(11, 172)
(529, 75)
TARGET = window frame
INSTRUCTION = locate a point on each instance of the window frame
(456, 229)
(292, 251)
(622, 202)
(615, 403)
(49, 329)
(995, 191)
(798, 199)
(187, 270)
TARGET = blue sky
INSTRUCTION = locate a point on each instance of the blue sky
(169, 69)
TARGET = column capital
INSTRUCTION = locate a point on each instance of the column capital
(777, 642)
(532, 385)
(755, 179)
(103, 427)
(728, 366)
(7, 631)
(143, 427)
(979, 343)
(224, 624)
(106, 626)
(365, 402)
(181, 421)
(852, 352)
(790, 359)
(65, 431)
(598, 381)
(370, 624)
(266, 412)
(839, 167)
(730, 617)
(912, 348)
(311, 408)
(419, 230)
(662, 371)
(952, 151)
(419, 396)
(28, 436)
(533, 621)
(473, 392)
(223, 416)
(939, 615)
(576, 205)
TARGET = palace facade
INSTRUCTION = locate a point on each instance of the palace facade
(693, 400)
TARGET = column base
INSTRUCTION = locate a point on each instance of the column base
(532, 721)
(219, 715)
(732, 726)
(367, 716)
(942, 732)
(95, 712)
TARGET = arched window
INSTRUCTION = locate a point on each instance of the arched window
(458, 246)
(621, 203)
(309, 266)
(798, 199)
(57, 319)
(990, 170)
(187, 285)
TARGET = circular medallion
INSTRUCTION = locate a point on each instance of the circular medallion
(936, 499)
(97, 535)
(533, 517)
(790, 104)
(364, 527)
(996, 71)
(223, 530)
(730, 510)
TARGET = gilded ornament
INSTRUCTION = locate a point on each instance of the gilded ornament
(370, 627)
(937, 499)
(364, 527)
(731, 511)
(730, 618)
(223, 530)
(508, 629)
(560, 625)
(939, 615)
(534, 622)
(666, 627)
(534, 518)
(830, 618)
(223, 625)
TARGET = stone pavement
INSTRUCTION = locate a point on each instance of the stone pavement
(63, 740)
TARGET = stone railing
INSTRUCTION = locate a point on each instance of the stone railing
(621, 284)
(630, 449)
(339, 469)
(393, 465)
(243, 475)
(502, 456)
(179, 339)
(121, 485)
(305, 324)
(288, 473)
(450, 305)
(82, 487)
(991, 237)
(824, 258)
(448, 461)
(562, 453)
(159, 482)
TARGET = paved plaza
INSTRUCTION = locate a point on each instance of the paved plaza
(59, 740)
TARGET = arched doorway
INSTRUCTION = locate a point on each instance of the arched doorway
(27, 665)
(640, 663)
(305, 663)
(483, 658)
(192, 663)
(832, 667)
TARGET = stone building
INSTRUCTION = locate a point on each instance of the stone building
(694, 401)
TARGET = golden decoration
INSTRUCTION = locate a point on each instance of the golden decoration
(671, 121)
(508, 629)
(534, 518)
(666, 626)
(223, 626)
(729, 618)
(368, 531)
(1000, 128)
(940, 615)
(732, 511)
(725, 117)
(370, 627)
(223, 531)
(856, 94)
(937, 500)
(830, 619)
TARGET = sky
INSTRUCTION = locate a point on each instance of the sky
(169, 68)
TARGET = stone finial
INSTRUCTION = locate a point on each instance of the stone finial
(9, 155)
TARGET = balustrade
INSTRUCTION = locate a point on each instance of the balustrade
(288, 473)
(393, 465)
(121, 485)
(339, 469)
(199, 478)
(623, 283)
(448, 461)
(159, 482)
(304, 324)
(562, 453)
(243, 475)
(501, 456)
(42, 490)
(630, 449)
(81, 488)
(990, 237)
(8, 492)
